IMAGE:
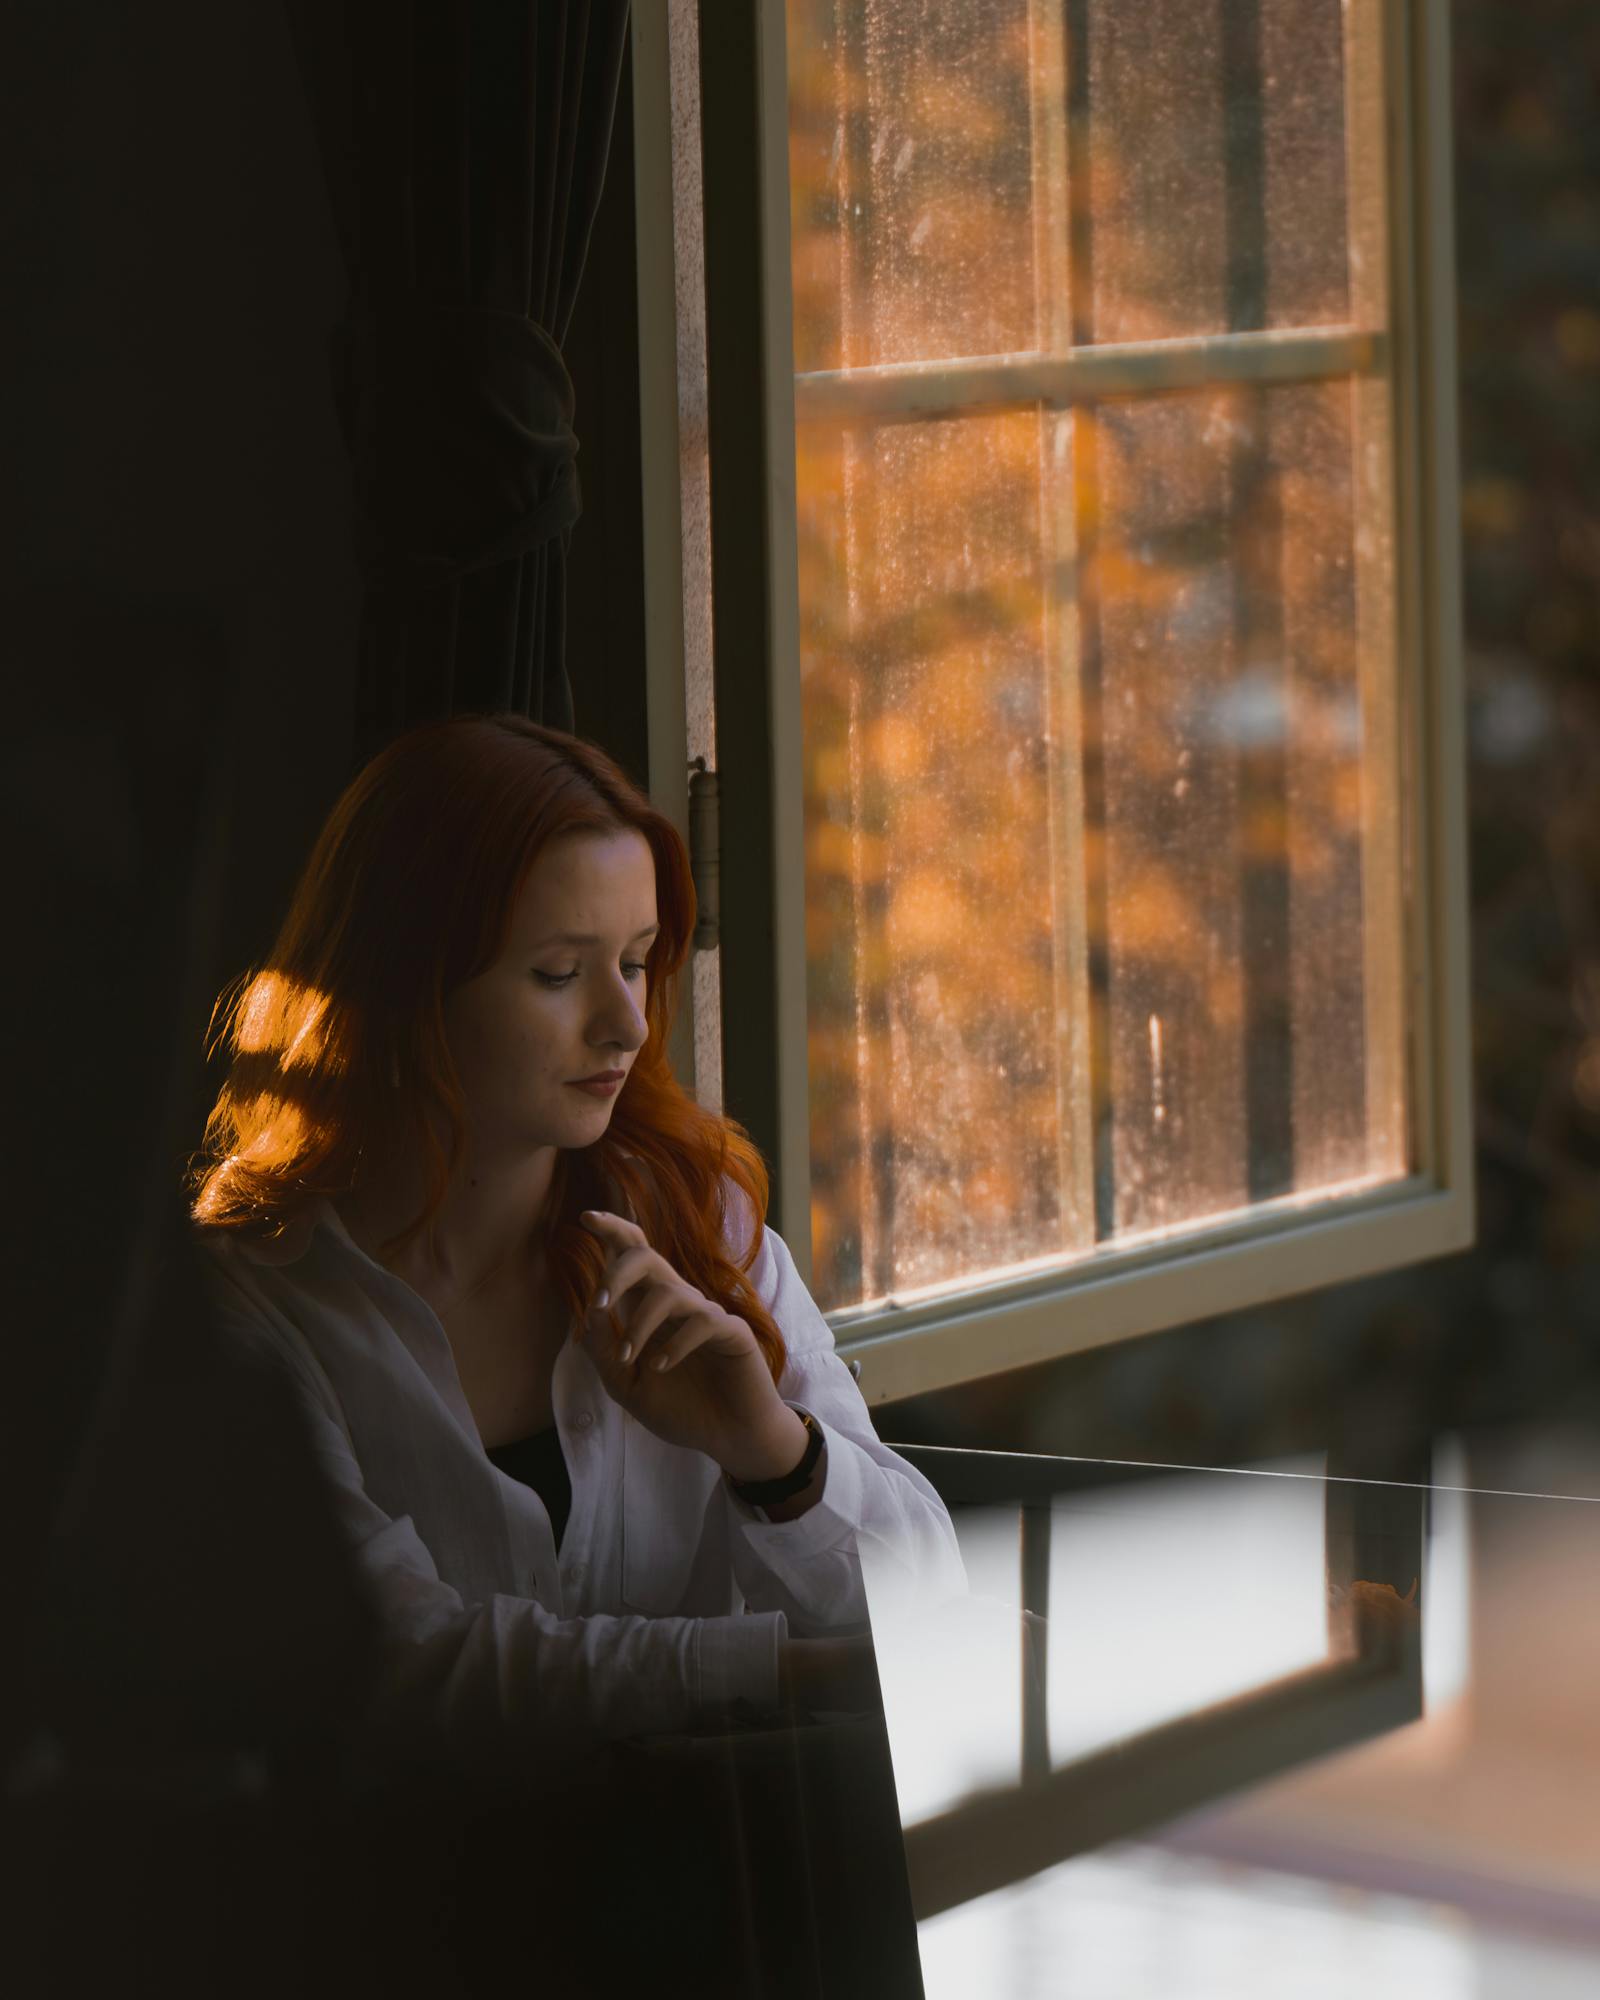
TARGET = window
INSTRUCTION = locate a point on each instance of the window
(1081, 468)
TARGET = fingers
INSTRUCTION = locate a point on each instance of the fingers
(650, 1313)
(630, 1263)
(617, 1341)
(612, 1229)
(673, 1347)
(640, 1297)
(643, 1343)
(611, 1352)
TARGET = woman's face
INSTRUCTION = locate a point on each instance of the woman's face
(554, 1008)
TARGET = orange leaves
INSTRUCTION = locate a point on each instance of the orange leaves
(926, 913)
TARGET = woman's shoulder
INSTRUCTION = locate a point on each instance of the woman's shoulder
(247, 1276)
(262, 1246)
(255, 1303)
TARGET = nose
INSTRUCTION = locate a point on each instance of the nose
(631, 1030)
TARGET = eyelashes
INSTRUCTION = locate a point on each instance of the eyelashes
(566, 978)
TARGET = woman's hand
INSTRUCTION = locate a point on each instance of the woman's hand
(680, 1364)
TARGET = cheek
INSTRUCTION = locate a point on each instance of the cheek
(514, 1035)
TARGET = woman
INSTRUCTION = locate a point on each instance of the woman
(587, 1430)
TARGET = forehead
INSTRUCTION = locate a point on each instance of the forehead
(604, 884)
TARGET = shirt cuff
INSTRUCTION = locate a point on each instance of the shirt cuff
(831, 1518)
(737, 1658)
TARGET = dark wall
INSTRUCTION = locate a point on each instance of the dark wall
(178, 614)
(178, 591)
(605, 559)
(170, 443)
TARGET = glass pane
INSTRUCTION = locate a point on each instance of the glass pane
(1174, 1630)
(911, 165)
(936, 147)
(1235, 799)
(941, 1050)
(943, 1749)
(1182, 943)
(1214, 156)
(1104, 879)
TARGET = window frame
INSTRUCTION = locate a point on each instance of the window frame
(1370, 1683)
(1278, 1248)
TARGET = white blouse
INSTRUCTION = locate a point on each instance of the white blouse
(669, 1597)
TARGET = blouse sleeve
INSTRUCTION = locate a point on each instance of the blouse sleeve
(507, 1673)
(879, 1542)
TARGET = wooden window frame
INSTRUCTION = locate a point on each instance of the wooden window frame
(1280, 1247)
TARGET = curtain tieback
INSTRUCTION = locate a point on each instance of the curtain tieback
(459, 424)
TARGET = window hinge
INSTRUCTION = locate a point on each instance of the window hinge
(705, 848)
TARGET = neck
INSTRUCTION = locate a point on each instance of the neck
(489, 1229)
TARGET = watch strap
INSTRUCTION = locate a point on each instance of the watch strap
(763, 1492)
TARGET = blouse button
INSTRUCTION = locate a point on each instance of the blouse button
(583, 1420)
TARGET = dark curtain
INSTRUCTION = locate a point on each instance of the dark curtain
(465, 146)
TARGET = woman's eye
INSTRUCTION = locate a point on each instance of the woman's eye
(566, 978)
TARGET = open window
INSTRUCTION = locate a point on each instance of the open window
(1051, 492)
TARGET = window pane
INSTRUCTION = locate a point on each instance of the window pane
(1214, 159)
(911, 180)
(1099, 696)
(1235, 801)
(937, 146)
(944, 1068)
(1089, 947)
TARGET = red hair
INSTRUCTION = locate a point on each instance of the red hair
(407, 894)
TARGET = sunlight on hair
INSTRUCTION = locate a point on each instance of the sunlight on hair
(276, 1126)
(260, 1011)
(283, 1016)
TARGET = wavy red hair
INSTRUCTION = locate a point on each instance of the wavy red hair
(407, 894)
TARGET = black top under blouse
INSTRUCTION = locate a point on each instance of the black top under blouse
(538, 1462)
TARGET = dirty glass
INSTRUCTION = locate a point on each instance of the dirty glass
(1104, 921)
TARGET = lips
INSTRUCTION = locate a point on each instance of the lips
(605, 1076)
(606, 1087)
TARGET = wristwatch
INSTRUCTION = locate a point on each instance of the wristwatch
(763, 1492)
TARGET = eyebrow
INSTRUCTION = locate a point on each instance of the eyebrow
(583, 937)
